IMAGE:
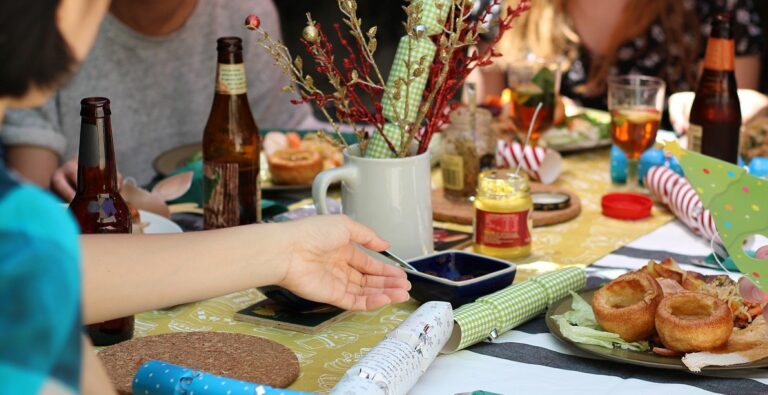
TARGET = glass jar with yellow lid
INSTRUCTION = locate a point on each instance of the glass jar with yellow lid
(503, 208)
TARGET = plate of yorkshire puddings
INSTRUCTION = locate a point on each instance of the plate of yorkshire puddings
(293, 161)
(289, 160)
(662, 316)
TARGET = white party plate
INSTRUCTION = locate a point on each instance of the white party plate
(158, 224)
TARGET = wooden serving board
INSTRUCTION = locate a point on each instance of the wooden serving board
(464, 212)
(242, 357)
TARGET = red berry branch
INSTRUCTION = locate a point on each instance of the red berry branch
(461, 63)
(357, 76)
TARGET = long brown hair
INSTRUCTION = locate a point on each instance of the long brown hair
(546, 30)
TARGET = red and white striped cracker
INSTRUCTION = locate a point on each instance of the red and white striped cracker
(676, 192)
(541, 164)
(660, 181)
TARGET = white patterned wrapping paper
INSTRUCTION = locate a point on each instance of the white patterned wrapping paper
(395, 364)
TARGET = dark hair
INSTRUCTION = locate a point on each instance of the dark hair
(32, 50)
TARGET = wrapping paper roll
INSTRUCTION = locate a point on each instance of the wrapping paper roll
(163, 378)
(419, 48)
(494, 314)
(541, 164)
(676, 192)
(395, 364)
(433, 15)
(378, 148)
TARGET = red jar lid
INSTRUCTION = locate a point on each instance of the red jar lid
(627, 206)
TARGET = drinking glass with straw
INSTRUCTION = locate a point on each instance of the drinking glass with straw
(636, 103)
(534, 81)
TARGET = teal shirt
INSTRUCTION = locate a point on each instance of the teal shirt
(40, 318)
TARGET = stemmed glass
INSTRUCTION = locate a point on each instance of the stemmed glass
(532, 81)
(636, 103)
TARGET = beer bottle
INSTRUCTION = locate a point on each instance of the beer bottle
(231, 189)
(715, 120)
(97, 205)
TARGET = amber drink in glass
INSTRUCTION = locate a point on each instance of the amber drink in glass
(635, 103)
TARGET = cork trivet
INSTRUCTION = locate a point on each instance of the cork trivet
(242, 357)
(463, 212)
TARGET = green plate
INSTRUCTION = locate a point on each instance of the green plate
(647, 359)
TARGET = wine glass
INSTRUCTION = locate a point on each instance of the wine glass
(636, 103)
(534, 80)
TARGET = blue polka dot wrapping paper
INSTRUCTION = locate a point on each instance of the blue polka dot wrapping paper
(164, 378)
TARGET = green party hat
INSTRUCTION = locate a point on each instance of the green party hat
(738, 203)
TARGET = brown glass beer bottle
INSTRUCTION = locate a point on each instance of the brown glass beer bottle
(715, 120)
(231, 192)
(97, 204)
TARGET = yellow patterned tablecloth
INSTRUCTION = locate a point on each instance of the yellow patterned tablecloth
(325, 357)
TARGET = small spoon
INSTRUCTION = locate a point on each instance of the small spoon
(398, 260)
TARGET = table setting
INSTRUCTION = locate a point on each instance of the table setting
(579, 262)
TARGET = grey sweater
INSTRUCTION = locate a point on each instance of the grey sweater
(161, 88)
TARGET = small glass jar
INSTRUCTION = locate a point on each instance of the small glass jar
(469, 146)
(503, 208)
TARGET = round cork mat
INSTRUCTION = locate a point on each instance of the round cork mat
(464, 212)
(242, 357)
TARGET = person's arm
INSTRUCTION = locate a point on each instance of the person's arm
(748, 71)
(93, 377)
(33, 142)
(35, 164)
(316, 258)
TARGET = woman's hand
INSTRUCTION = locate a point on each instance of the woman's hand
(326, 265)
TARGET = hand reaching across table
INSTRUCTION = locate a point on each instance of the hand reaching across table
(317, 258)
(326, 265)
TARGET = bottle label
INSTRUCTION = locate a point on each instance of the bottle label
(502, 230)
(453, 172)
(695, 132)
(221, 204)
(230, 79)
(720, 54)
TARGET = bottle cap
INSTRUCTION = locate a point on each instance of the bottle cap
(626, 206)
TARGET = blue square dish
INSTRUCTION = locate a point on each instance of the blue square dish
(458, 277)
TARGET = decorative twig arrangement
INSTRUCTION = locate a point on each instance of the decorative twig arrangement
(432, 62)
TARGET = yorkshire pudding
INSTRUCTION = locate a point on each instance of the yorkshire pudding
(294, 166)
(693, 321)
(627, 305)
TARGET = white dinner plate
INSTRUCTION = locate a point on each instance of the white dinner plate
(158, 224)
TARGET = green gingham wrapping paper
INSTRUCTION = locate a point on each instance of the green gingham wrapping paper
(378, 148)
(512, 306)
(433, 18)
(420, 47)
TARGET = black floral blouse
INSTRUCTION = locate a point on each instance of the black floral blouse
(646, 54)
